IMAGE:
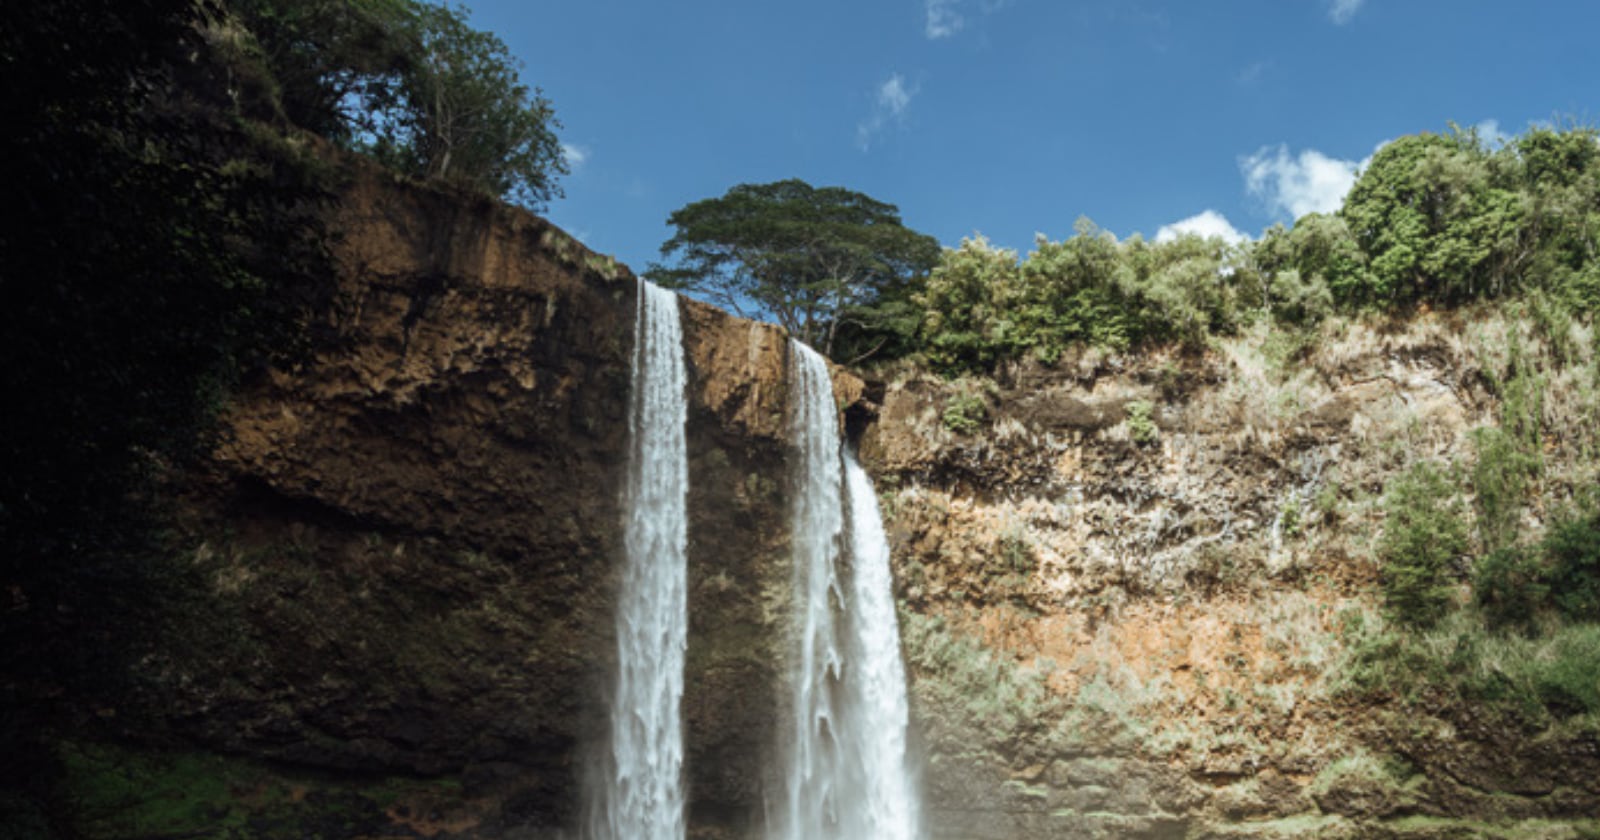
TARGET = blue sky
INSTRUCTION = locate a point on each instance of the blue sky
(1015, 117)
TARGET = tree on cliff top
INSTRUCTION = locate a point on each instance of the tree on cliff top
(460, 112)
(816, 259)
(412, 84)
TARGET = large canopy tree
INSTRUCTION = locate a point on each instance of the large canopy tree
(411, 83)
(460, 112)
(1437, 221)
(815, 259)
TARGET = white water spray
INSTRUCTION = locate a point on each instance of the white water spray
(847, 776)
(642, 796)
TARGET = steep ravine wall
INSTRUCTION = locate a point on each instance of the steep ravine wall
(1125, 580)
(1131, 584)
(413, 539)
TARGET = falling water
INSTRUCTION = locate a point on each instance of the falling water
(877, 710)
(847, 776)
(642, 798)
(810, 810)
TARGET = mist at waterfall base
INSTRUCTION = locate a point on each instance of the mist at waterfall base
(639, 792)
(847, 773)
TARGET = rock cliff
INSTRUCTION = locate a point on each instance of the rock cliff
(412, 540)
(1134, 585)
(1128, 583)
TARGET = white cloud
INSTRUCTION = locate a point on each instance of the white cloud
(944, 19)
(889, 106)
(575, 155)
(1205, 224)
(1491, 135)
(893, 96)
(1310, 182)
(1341, 11)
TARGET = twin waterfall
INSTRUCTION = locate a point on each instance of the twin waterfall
(846, 773)
(847, 776)
(643, 797)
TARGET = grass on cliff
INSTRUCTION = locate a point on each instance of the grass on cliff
(1536, 680)
(981, 698)
(115, 792)
(980, 694)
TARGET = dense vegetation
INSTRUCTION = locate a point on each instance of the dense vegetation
(408, 82)
(1435, 220)
(165, 242)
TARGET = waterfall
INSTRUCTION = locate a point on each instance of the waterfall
(641, 794)
(817, 523)
(876, 685)
(847, 775)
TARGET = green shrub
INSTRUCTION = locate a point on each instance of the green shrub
(1552, 317)
(1521, 393)
(1524, 679)
(1500, 482)
(1572, 549)
(1435, 219)
(1141, 422)
(1302, 270)
(1285, 347)
(963, 305)
(1289, 516)
(980, 306)
(1567, 678)
(1423, 533)
(964, 413)
(1327, 499)
(1508, 585)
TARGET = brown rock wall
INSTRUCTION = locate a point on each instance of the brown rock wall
(413, 539)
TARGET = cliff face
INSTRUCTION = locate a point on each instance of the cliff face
(1130, 585)
(1136, 587)
(413, 540)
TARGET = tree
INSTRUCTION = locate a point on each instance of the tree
(461, 113)
(1423, 533)
(1179, 288)
(412, 84)
(1435, 222)
(963, 304)
(1560, 175)
(1572, 549)
(1304, 270)
(326, 62)
(813, 258)
(1075, 290)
